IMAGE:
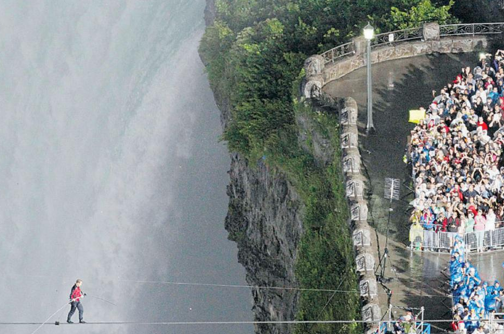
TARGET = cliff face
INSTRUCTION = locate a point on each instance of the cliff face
(209, 12)
(264, 219)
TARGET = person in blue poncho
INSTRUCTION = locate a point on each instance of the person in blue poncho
(491, 302)
(499, 301)
(468, 290)
(467, 266)
(478, 290)
(496, 286)
(456, 277)
(480, 304)
(455, 261)
(484, 287)
(473, 305)
(472, 321)
(458, 245)
(459, 292)
(473, 276)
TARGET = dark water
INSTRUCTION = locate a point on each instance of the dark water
(110, 168)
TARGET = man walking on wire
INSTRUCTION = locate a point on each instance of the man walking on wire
(75, 296)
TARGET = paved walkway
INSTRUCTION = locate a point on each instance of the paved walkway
(399, 86)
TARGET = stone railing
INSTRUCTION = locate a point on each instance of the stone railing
(428, 39)
(366, 255)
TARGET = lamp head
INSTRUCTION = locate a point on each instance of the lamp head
(368, 32)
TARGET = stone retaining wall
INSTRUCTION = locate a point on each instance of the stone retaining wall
(318, 74)
(366, 256)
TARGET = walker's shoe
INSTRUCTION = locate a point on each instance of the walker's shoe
(70, 321)
(82, 322)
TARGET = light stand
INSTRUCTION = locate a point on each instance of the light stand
(391, 192)
(369, 35)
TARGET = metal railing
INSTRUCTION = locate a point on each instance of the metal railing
(417, 326)
(383, 329)
(495, 321)
(471, 29)
(332, 55)
(398, 36)
(437, 241)
(338, 52)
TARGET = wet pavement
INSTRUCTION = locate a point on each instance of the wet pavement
(399, 86)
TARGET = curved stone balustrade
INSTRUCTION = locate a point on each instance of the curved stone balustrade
(366, 255)
(430, 38)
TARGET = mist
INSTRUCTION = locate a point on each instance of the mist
(110, 168)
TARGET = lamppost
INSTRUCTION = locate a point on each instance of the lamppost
(369, 35)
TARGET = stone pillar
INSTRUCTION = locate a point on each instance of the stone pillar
(364, 262)
(352, 163)
(359, 211)
(348, 116)
(314, 68)
(431, 31)
(349, 140)
(312, 89)
(371, 313)
(368, 289)
(360, 45)
(354, 189)
(361, 238)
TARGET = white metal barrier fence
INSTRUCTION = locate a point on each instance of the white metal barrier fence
(496, 323)
(435, 241)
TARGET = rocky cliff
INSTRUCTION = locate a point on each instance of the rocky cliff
(265, 220)
(287, 212)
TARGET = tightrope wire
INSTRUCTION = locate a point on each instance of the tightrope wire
(185, 323)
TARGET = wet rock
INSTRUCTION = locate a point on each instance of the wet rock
(264, 219)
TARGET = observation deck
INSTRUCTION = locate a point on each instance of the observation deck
(407, 66)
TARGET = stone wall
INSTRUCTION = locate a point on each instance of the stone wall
(318, 74)
(366, 255)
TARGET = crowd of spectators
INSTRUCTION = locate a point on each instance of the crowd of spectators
(473, 299)
(456, 157)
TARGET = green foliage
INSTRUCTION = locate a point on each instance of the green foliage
(255, 49)
(263, 71)
(325, 256)
(214, 47)
(424, 11)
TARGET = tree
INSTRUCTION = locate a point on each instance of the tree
(424, 11)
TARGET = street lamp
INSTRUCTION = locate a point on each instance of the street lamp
(369, 35)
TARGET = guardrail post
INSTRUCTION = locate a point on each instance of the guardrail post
(422, 323)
